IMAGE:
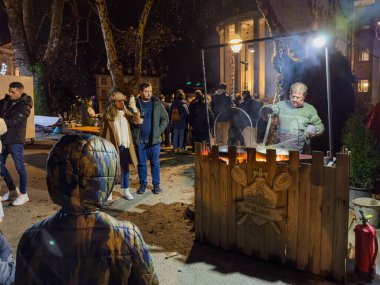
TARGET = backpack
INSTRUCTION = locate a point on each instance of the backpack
(175, 116)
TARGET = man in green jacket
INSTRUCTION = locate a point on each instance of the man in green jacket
(298, 120)
(147, 137)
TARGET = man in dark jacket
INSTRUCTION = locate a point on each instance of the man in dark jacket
(219, 105)
(147, 136)
(80, 244)
(15, 109)
(198, 118)
(252, 108)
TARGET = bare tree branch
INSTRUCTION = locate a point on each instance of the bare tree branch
(140, 38)
(41, 23)
(55, 31)
(74, 9)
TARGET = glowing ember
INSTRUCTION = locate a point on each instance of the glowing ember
(262, 157)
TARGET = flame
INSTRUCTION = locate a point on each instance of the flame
(240, 158)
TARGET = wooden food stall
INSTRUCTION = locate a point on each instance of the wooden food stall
(274, 208)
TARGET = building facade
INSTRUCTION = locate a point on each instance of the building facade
(103, 84)
(250, 69)
(366, 50)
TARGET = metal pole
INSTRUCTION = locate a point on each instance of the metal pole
(329, 112)
(206, 102)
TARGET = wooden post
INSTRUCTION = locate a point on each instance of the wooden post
(223, 170)
(231, 199)
(303, 218)
(214, 197)
(198, 191)
(206, 199)
(253, 237)
(327, 236)
(341, 217)
(316, 212)
(270, 233)
(292, 213)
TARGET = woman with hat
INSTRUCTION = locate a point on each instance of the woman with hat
(116, 129)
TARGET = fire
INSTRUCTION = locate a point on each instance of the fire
(240, 158)
(262, 157)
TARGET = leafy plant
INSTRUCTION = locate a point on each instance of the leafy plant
(365, 158)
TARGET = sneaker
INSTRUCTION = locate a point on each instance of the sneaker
(127, 194)
(21, 199)
(142, 188)
(156, 189)
(10, 194)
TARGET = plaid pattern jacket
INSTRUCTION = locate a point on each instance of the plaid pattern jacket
(80, 244)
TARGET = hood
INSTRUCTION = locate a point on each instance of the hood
(81, 172)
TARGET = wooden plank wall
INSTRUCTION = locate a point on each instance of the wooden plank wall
(312, 238)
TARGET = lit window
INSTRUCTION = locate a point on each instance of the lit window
(366, 27)
(364, 55)
(363, 85)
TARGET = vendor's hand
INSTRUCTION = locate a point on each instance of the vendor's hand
(310, 131)
(132, 104)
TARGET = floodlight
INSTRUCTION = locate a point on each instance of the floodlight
(320, 41)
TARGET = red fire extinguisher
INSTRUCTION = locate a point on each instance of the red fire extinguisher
(366, 249)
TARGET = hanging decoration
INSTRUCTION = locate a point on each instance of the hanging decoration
(3, 70)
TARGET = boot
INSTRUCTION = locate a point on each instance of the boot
(156, 189)
(127, 194)
(142, 188)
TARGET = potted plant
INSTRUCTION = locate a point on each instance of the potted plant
(364, 156)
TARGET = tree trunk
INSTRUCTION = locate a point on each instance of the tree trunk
(22, 26)
(114, 65)
(29, 26)
(19, 39)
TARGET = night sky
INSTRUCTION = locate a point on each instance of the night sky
(183, 67)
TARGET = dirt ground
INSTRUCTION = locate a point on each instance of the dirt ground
(165, 226)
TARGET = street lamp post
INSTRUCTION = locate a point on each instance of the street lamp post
(235, 47)
(320, 41)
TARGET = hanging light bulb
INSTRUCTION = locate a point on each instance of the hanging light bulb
(3, 69)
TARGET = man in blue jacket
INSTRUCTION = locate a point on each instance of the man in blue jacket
(147, 137)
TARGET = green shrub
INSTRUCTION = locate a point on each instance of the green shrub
(365, 158)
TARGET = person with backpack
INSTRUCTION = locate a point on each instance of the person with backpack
(178, 114)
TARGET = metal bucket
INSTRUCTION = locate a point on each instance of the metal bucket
(370, 207)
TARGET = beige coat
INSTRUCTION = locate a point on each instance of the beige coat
(3, 130)
(108, 132)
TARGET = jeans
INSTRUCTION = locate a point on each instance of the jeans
(221, 135)
(17, 152)
(124, 164)
(178, 138)
(151, 152)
